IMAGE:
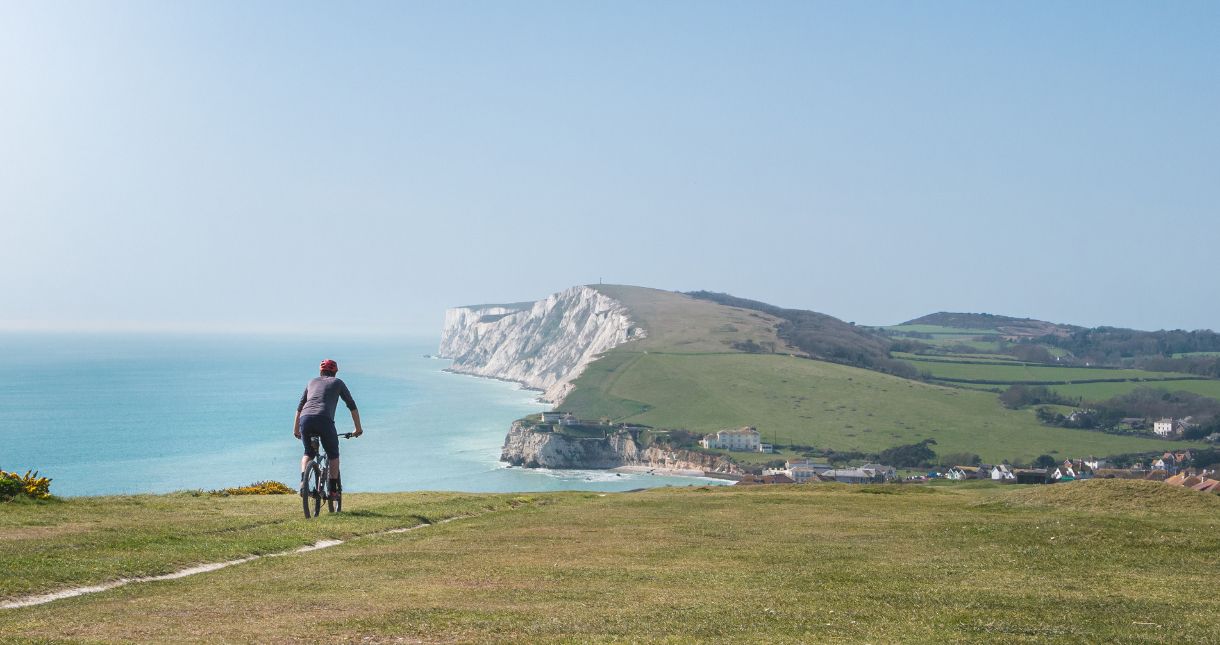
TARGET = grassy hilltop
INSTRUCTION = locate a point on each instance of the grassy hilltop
(706, 366)
(824, 563)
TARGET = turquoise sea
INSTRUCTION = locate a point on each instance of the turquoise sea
(128, 413)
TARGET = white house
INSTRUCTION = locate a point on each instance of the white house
(1002, 473)
(741, 440)
(1163, 427)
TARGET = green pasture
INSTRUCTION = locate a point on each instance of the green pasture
(1025, 373)
(1103, 391)
(999, 358)
(961, 359)
(981, 346)
(982, 387)
(772, 564)
(800, 401)
(940, 330)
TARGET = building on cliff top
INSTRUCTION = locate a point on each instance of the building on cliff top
(745, 439)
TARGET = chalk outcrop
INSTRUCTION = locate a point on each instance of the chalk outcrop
(543, 345)
(531, 449)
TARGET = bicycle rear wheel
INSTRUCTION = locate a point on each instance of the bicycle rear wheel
(334, 499)
(311, 491)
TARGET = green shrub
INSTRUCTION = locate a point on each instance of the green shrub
(9, 487)
(29, 484)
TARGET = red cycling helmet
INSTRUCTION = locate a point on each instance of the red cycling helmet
(329, 366)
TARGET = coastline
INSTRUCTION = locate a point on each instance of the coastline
(520, 385)
(594, 474)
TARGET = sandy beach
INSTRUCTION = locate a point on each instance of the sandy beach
(669, 472)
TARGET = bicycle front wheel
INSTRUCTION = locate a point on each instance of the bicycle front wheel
(311, 491)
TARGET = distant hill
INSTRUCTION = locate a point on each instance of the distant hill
(1007, 326)
(962, 334)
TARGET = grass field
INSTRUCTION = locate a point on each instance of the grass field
(800, 401)
(1103, 391)
(937, 336)
(87, 539)
(938, 330)
(943, 342)
(1082, 562)
(961, 359)
(977, 371)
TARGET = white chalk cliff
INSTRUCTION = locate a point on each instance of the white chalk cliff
(525, 447)
(544, 345)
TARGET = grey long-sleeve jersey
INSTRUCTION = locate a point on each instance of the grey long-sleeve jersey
(321, 397)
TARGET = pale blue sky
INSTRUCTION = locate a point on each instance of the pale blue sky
(233, 165)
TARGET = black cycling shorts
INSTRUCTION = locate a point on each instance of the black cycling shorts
(323, 428)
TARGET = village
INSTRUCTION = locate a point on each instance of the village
(1173, 468)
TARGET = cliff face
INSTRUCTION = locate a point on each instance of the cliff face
(524, 447)
(542, 345)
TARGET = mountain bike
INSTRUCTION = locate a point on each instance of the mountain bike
(315, 485)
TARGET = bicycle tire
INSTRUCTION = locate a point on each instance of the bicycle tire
(334, 501)
(311, 491)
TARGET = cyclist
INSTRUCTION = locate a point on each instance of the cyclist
(316, 418)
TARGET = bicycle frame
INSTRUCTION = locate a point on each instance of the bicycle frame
(320, 489)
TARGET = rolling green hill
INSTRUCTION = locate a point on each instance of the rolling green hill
(690, 373)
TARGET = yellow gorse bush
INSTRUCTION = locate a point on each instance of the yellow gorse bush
(258, 488)
(30, 483)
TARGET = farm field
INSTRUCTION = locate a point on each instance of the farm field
(961, 359)
(635, 567)
(1028, 373)
(1103, 391)
(952, 343)
(800, 401)
(938, 330)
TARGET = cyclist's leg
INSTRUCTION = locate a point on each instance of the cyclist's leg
(330, 443)
(308, 430)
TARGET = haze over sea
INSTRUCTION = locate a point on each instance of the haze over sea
(151, 413)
